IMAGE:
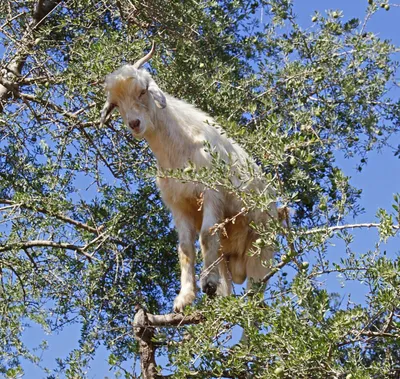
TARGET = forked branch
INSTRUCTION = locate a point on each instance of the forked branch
(144, 325)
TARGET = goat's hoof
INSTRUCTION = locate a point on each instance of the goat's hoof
(209, 287)
(182, 300)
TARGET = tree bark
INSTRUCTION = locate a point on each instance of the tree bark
(144, 325)
(13, 70)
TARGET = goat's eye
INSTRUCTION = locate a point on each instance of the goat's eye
(142, 93)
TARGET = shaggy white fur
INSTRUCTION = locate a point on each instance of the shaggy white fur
(176, 133)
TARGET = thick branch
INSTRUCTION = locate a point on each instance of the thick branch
(174, 319)
(144, 335)
(42, 10)
(144, 325)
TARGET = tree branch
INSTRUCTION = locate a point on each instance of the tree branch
(13, 88)
(281, 264)
(42, 10)
(380, 334)
(59, 216)
(144, 325)
(80, 225)
(45, 243)
(344, 227)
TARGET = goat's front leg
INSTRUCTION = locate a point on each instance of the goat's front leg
(210, 242)
(187, 258)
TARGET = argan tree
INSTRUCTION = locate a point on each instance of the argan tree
(85, 238)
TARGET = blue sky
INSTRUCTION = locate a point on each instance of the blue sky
(379, 180)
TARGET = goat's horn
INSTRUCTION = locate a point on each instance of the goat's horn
(146, 58)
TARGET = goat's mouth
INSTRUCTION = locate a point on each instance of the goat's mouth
(137, 132)
(136, 129)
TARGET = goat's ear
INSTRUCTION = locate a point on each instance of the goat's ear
(105, 112)
(157, 94)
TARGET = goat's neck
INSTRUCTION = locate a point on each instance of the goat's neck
(168, 141)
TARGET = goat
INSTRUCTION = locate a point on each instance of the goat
(177, 133)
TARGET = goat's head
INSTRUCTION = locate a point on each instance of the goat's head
(132, 90)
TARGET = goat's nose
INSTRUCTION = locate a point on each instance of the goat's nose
(134, 124)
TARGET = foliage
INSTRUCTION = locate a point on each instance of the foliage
(84, 236)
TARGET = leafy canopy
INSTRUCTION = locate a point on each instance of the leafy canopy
(84, 236)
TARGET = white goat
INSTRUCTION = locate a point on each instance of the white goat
(176, 133)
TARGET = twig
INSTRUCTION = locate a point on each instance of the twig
(344, 227)
(45, 243)
(60, 216)
(282, 264)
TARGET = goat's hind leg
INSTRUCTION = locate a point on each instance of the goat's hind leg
(210, 242)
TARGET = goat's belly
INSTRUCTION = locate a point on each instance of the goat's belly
(174, 191)
(182, 198)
